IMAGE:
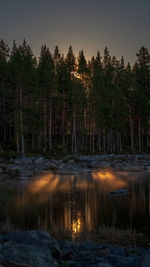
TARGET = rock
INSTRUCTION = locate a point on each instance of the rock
(118, 251)
(145, 261)
(23, 160)
(120, 192)
(104, 252)
(38, 160)
(88, 245)
(71, 161)
(127, 260)
(71, 263)
(13, 170)
(38, 249)
(26, 254)
(56, 253)
(27, 172)
(1, 238)
(34, 238)
(13, 264)
(61, 166)
(103, 265)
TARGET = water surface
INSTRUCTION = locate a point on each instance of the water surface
(76, 205)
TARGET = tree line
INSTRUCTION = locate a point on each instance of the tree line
(58, 103)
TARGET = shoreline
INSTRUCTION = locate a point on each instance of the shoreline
(38, 249)
(28, 167)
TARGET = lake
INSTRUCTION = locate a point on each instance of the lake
(75, 206)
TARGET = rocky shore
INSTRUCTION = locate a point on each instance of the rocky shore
(25, 167)
(39, 249)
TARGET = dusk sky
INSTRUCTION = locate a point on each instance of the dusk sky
(122, 25)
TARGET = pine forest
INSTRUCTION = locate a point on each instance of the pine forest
(68, 104)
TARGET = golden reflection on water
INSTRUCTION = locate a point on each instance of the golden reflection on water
(72, 203)
(76, 226)
(109, 178)
(46, 183)
(51, 182)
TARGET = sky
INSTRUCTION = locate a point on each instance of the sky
(121, 25)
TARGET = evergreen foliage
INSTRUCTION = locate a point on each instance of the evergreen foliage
(63, 104)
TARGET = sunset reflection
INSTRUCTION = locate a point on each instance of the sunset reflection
(76, 205)
(103, 175)
(76, 226)
(46, 183)
(110, 178)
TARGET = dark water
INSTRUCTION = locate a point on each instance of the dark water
(78, 205)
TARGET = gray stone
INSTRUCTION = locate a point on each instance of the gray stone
(120, 192)
(145, 261)
(13, 170)
(71, 161)
(26, 254)
(38, 160)
(1, 238)
(118, 250)
(89, 245)
(27, 172)
(103, 265)
(34, 238)
(128, 260)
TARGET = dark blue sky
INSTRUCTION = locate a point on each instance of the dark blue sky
(122, 25)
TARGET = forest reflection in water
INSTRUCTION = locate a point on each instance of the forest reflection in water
(82, 204)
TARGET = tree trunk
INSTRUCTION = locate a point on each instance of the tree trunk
(120, 142)
(93, 143)
(82, 145)
(99, 140)
(148, 141)
(17, 122)
(110, 140)
(21, 124)
(50, 129)
(74, 143)
(4, 120)
(63, 127)
(45, 129)
(33, 140)
(139, 131)
(17, 143)
(39, 140)
(131, 130)
(118, 150)
(104, 140)
(108, 146)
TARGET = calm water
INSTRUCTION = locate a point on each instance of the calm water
(78, 205)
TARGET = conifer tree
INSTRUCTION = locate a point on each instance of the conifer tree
(46, 77)
(22, 65)
(4, 54)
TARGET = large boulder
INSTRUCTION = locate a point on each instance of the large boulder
(34, 238)
(25, 255)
